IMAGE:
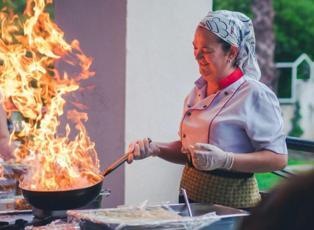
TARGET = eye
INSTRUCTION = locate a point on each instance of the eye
(207, 51)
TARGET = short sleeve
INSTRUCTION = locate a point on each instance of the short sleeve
(264, 124)
(183, 111)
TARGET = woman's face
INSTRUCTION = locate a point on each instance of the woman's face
(208, 52)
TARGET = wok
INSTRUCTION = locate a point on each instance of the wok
(68, 199)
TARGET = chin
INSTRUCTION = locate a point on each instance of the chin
(204, 71)
(205, 74)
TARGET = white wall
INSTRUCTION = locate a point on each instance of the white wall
(287, 113)
(160, 71)
(305, 96)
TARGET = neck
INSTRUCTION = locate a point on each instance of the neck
(226, 73)
(212, 87)
(213, 83)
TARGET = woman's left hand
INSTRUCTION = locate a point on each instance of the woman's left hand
(209, 157)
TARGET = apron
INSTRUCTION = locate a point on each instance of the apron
(203, 187)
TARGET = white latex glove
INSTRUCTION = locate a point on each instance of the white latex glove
(209, 157)
(141, 149)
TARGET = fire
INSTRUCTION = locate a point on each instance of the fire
(32, 85)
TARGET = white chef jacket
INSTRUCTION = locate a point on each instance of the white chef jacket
(244, 117)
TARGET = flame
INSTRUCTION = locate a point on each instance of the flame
(32, 85)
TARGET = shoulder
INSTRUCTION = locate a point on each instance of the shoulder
(256, 86)
(260, 98)
(258, 90)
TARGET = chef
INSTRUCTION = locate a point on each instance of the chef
(231, 126)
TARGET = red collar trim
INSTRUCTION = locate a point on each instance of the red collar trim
(233, 77)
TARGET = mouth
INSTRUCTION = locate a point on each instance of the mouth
(203, 64)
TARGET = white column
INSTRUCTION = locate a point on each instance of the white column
(160, 71)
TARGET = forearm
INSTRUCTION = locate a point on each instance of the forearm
(171, 151)
(262, 161)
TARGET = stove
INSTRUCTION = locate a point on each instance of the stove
(35, 217)
(24, 219)
(15, 219)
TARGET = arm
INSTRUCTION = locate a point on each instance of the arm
(171, 151)
(264, 127)
(262, 161)
(210, 157)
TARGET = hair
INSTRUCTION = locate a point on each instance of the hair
(226, 47)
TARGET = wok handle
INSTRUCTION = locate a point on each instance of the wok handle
(115, 164)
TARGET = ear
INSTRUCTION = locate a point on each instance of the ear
(233, 53)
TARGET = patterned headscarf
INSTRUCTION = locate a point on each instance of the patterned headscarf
(236, 29)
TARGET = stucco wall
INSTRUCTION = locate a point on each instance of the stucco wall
(100, 26)
(160, 72)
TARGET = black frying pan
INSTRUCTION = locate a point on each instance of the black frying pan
(69, 199)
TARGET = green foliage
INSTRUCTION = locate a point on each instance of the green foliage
(293, 25)
(296, 130)
(303, 71)
(243, 6)
(294, 29)
(266, 181)
(285, 82)
(18, 6)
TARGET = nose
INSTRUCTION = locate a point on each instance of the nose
(198, 54)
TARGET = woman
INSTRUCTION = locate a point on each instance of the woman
(231, 125)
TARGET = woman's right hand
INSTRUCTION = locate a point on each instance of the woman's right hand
(141, 149)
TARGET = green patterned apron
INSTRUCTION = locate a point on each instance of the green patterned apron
(207, 188)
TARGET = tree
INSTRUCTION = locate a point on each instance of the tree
(265, 42)
(294, 29)
(262, 15)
